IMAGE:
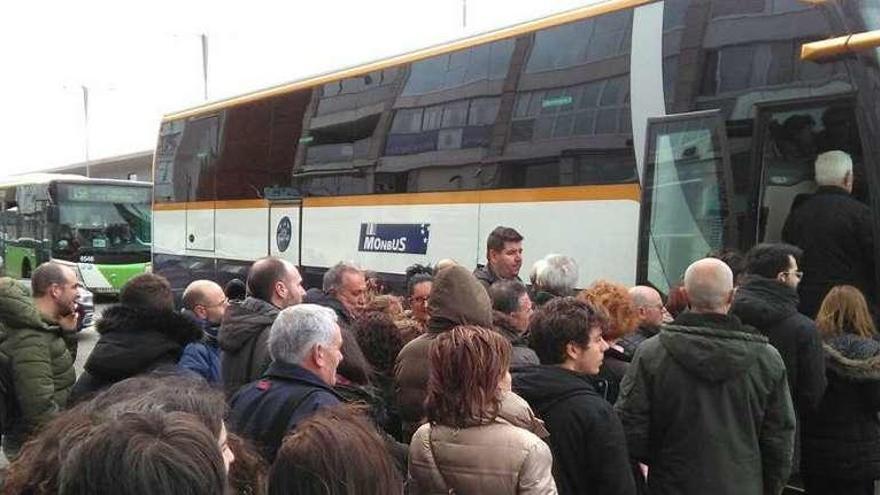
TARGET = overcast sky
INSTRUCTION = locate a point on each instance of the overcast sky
(142, 60)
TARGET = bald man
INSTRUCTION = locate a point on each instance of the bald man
(652, 314)
(709, 396)
(205, 303)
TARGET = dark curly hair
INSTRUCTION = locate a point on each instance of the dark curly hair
(416, 274)
(380, 340)
(561, 321)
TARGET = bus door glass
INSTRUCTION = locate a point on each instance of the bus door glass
(195, 160)
(685, 196)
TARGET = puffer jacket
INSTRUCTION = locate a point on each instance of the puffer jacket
(456, 299)
(134, 340)
(842, 438)
(243, 338)
(771, 307)
(42, 369)
(706, 406)
(505, 456)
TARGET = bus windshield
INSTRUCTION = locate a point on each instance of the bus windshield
(98, 218)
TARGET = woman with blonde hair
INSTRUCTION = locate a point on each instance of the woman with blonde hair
(841, 439)
(471, 444)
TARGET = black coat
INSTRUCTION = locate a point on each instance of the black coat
(243, 338)
(835, 231)
(842, 438)
(586, 437)
(319, 297)
(614, 366)
(771, 307)
(134, 341)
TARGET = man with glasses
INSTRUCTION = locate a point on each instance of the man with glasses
(652, 314)
(767, 299)
(204, 302)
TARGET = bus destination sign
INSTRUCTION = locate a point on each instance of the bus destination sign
(402, 238)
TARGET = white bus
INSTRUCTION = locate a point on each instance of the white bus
(100, 227)
(634, 135)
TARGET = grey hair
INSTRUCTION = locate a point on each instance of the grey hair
(708, 283)
(832, 167)
(559, 274)
(298, 329)
(333, 276)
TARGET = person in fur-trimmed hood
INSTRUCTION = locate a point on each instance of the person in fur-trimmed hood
(141, 334)
(841, 440)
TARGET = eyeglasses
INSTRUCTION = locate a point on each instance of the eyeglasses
(222, 302)
(797, 274)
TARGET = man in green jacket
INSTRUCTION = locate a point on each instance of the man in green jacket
(706, 403)
(42, 369)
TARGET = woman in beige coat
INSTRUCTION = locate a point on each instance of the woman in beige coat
(470, 444)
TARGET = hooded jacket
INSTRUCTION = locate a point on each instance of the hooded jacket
(586, 437)
(456, 299)
(771, 307)
(522, 354)
(505, 456)
(243, 337)
(42, 369)
(132, 341)
(836, 233)
(706, 406)
(842, 438)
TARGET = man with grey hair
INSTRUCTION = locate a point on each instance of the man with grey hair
(553, 276)
(652, 314)
(709, 396)
(835, 232)
(344, 291)
(305, 344)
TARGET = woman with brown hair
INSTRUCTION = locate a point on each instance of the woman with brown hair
(841, 439)
(336, 451)
(622, 319)
(467, 446)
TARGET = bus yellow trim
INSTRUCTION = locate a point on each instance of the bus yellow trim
(539, 195)
(819, 50)
(578, 14)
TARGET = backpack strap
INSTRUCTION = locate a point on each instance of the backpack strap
(451, 491)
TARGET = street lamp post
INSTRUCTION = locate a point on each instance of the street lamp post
(85, 93)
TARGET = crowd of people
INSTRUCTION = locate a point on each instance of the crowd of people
(467, 382)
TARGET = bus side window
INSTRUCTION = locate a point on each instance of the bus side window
(793, 135)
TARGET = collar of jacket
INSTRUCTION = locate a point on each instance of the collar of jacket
(832, 190)
(715, 321)
(857, 370)
(295, 373)
(503, 324)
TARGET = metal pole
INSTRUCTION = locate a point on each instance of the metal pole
(85, 92)
(205, 63)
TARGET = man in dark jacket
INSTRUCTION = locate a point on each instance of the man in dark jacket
(835, 232)
(205, 303)
(503, 257)
(273, 284)
(304, 343)
(706, 404)
(456, 299)
(344, 290)
(652, 314)
(586, 437)
(141, 334)
(767, 299)
(511, 313)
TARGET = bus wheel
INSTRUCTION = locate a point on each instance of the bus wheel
(26, 268)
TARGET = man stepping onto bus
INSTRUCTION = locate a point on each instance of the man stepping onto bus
(503, 257)
(31, 338)
(272, 285)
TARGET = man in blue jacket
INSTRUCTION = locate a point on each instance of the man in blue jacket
(205, 303)
(304, 343)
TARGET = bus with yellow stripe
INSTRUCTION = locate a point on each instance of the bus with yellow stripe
(634, 135)
(100, 227)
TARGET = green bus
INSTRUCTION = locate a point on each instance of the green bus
(101, 227)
